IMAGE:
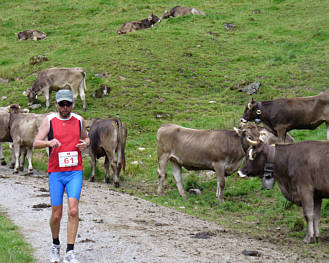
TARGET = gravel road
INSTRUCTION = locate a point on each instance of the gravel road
(116, 227)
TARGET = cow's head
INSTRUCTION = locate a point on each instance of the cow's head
(249, 132)
(154, 19)
(259, 163)
(165, 15)
(31, 95)
(252, 112)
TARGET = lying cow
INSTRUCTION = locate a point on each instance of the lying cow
(283, 115)
(218, 150)
(5, 135)
(23, 129)
(108, 138)
(138, 25)
(181, 11)
(55, 79)
(301, 171)
(31, 34)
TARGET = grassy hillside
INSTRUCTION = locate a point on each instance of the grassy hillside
(172, 73)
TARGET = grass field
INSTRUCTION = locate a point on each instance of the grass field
(172, 73)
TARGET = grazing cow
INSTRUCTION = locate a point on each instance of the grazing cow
(138, 25)
(55, 79)
(181, 11)
(218, 150)
(31, 34)
(5, 134)
(283, 115)
(108, 138)
(23, 129)
(301, 171)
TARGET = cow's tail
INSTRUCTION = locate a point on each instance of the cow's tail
(83, 82)
(121, 144)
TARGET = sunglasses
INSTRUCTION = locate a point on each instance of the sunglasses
(65, 103)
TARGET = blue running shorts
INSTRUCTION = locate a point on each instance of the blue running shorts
(71, 181)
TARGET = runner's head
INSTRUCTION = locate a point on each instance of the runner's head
(64, 103)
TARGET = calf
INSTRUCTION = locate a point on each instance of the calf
(138, 25)
(58, 78)
(218, 150)
(181, 11)
(23, 129)
(31, 34)
(301, 170)
(283, 115)
(108, 138)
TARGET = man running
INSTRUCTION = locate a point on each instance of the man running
(66, 138)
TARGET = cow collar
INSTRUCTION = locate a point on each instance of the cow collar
(258, 112)
(269, 167)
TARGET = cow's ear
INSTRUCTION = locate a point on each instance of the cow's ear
(252, 101)
(238, 131)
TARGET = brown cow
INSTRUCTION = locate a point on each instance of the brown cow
(218, 150)
(301, 171)
(31, 34)
(23, 129)
(138, 25)
(58, 78)
(5, 135)
(283, 115)
(108, 138)
(181, 11)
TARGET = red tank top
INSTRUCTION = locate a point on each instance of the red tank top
(66, 157)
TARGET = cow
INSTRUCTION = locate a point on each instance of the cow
(55, 79)
(23, 129)
(5, 135)
(283, 115)
(218, 150)
(31, 34)
(301, 171)
(108, 138)
(138, 25)
(181, 11)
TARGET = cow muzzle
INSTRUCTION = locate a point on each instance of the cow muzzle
(268, 179)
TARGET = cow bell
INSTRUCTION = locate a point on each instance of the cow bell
(268, 179)
(258, 121)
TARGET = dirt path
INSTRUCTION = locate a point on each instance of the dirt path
(116, 227)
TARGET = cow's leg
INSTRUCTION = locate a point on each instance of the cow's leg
(282, 132)
(82, 94)
(107, 169)
(177, 173)
(162, 167)
(22, 156)
(47, 96)
(327, 123)
(17, 152)
(29, 158)
(74, 93)
(12, 162)
(116, 169)
(220, 174)
(317, 214)
(308, 208)
(2, 158)
(93, 165)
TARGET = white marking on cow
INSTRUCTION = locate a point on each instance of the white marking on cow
(250, 155)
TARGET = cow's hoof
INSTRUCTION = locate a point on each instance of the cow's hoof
(15, 172)
(117, 184)
(30, 172)
(21, 169)
(3, 162)
(107, 180)
(309, 239)
(12, 166)
(91, 179)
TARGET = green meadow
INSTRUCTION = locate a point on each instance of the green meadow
(187, 70)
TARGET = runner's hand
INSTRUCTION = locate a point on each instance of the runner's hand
(54, 143)
(82, 145)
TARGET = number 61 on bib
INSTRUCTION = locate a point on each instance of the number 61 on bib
(68, 159)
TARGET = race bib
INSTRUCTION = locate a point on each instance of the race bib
(68, 159)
